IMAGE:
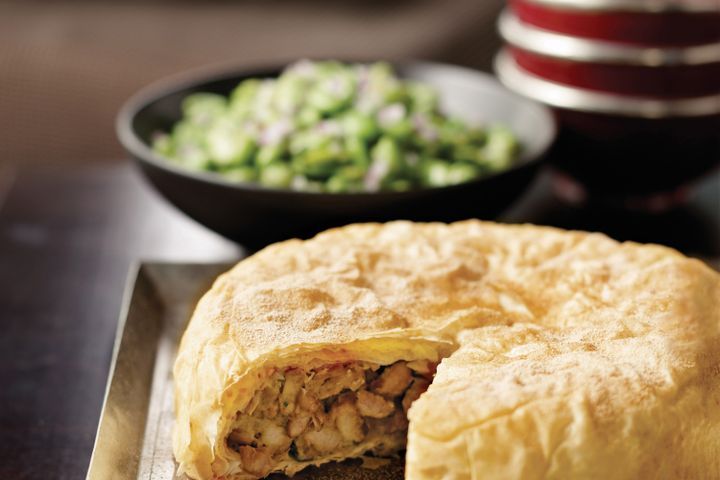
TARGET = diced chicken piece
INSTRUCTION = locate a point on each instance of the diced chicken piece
(333, 380)
(396, 422)
(348, 421)
(423, 367)
(257, 461)
(297, 424)
(268, 406)
(293, 383)
(310, 405)
(273, 436)
(318, 420)
(301, 450)
(324, 441)
(240, 437)
(418, 387)
(374, 406)
(393, 381)
(308, 402)
(245, 430)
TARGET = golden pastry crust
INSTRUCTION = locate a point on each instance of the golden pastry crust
(569, 355)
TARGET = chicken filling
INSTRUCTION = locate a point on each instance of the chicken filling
(332, 411)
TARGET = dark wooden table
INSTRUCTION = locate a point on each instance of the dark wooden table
(67, 238)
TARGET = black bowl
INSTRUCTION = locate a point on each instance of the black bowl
(255, 216)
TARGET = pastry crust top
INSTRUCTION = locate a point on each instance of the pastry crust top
(568, 354)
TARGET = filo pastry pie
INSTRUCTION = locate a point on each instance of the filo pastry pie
(487, 351)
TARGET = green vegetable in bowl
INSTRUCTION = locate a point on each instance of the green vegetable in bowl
(332, 127)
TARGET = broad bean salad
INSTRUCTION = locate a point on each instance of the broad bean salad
(333, 127)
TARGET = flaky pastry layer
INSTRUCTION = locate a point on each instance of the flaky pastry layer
(562, 354)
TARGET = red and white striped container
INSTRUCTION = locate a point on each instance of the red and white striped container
(635, 85)
(647, 22)
(667, 72)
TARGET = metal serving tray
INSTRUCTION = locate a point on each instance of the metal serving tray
(134, 435)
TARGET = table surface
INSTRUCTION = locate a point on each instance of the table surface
(67, 239)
